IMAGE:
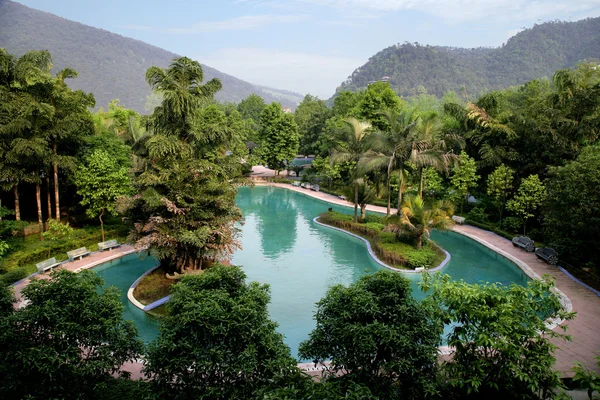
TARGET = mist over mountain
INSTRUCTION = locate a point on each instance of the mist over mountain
(109, 65)
(532, 53)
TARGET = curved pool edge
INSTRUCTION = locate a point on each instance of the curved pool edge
(378, 261)
(562, 297)
(135, 301)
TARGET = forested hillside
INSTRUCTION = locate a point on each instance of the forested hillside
(109, 65)
(533, 53)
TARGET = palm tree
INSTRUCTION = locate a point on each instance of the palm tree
(417, 219)
(351, 147)
(182, 94)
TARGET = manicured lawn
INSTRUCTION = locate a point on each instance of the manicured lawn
(153, 287)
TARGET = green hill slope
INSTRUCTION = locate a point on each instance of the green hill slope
(109, 65)
(533, 53)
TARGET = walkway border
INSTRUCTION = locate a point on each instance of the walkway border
(378, 261)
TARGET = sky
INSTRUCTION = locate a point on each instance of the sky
(310, 46)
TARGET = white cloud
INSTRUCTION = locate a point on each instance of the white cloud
(463, 10)
(242, 23)
(300, 72)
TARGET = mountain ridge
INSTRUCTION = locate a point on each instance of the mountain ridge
(109, 65)
(537, 52)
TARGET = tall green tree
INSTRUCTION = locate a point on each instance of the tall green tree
(499, 186)
(529, 198)
(186, 211)
(377, 335)
(571, 210)
(379, 96)
(69, 338)
(311, 116)
(100, 182)
(251, 107)
(464, 177)
(350, 148)
(279, 138)
(218, 341)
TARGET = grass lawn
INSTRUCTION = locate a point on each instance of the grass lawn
(388, 249)
(152, 287)
(25, 252)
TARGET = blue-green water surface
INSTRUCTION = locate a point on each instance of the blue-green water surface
(300, 260)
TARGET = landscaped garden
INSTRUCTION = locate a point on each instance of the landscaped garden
(172, 183)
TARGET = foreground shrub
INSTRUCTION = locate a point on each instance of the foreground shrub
(70, 338)
(502, 344)
(378, 335)
(218, 341)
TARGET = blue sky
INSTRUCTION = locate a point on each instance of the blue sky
(310, 46)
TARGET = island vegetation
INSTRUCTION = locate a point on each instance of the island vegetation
(512, 161)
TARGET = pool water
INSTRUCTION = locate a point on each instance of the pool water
(300, 260)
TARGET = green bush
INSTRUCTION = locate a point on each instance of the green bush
(513, 223)
(425, 257)
(497, 231)
(375, 218)
(280, 180)
(14, 275)
(478, 214)
(376, 226)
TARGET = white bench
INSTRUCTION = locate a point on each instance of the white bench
(109, 244)
(78, 253)
(458, 219)
(47, 264)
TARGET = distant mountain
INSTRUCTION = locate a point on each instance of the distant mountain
(532, 53)
(109, 65)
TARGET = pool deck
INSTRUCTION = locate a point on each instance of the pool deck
(584, 329)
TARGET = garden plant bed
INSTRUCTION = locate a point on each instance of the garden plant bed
(153, 287)
(388, 249)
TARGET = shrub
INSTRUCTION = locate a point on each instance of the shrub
(375, 218)
(376, 226)
(478, 214)
(513, 223)
(14, 275)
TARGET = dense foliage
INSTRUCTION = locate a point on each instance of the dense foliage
(218, 341)
(414, 69)
(69, 338)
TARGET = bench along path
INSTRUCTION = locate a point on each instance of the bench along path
(584, 328)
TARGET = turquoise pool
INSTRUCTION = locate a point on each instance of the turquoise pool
(299, 260)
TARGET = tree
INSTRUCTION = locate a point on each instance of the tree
(499, 185)
(278, 135)
(416, 219)
(311, 116)
(218, 341)
(366, 194)
(186, 211)
(70, 337)
(529, 198)
(378, 335)
(379, 96)
(502, 345)
(251, 107)
(100, 182)
(350, 148)
(571, 210)
(464, 177)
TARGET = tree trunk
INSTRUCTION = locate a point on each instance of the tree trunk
(356, 202)
(101, 224)
(38, 199)
(389, 199)
(49, 198)
(17, 208)
(363, 212)
(400, 191)
(55, 170)
(420, 242)
(421, 183)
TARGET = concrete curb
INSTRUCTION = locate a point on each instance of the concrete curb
(378, 261)
(134, 301)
